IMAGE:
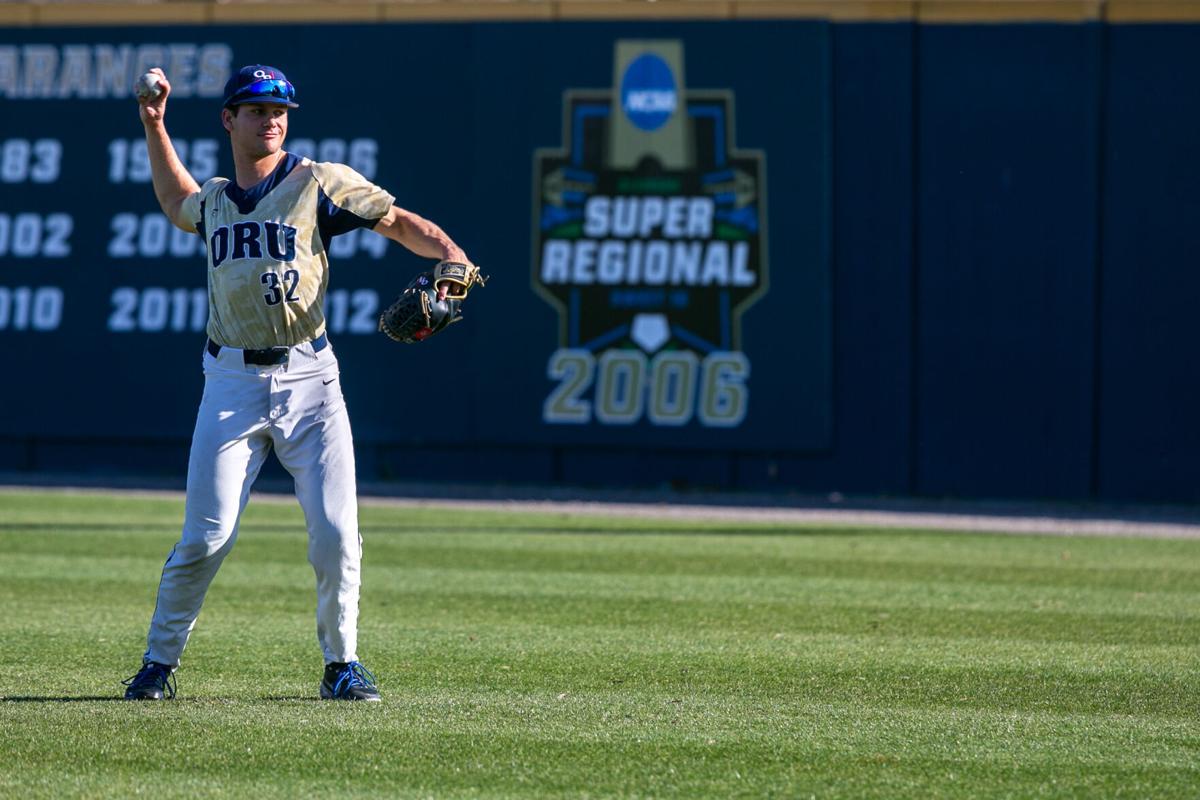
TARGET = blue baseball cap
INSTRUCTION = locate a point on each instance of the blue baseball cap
(259, 83)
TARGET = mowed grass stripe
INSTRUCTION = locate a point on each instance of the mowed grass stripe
(535, 655)
(433, 633)
(591, 746)
(1099, 564)
(866, 609)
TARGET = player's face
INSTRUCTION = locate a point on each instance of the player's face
(258, 129)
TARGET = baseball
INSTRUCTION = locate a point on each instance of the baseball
(147, 86)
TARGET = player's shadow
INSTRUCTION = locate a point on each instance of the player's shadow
(128, 527)
(119, 699)
(78, 699)
(636, 528)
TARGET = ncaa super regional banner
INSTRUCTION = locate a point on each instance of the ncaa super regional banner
(650, 242)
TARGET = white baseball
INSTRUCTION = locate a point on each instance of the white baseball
(147, 86)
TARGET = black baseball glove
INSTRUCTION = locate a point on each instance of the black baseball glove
(419, 312)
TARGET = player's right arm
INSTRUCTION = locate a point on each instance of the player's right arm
(173, 184)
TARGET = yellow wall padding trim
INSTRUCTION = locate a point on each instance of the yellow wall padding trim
(276, 13)
(1008, 10)
(465, 10)
(639, 9)
(12, 14)
(171, 12)
(1153, 11)
(840, 10)
(120, 13)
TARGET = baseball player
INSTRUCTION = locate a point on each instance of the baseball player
(270, 374)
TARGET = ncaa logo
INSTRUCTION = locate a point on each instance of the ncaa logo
(648, 93)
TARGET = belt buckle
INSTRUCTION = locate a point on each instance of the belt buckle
(266, 357)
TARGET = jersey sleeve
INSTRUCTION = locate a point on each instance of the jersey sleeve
(193, 205)
(347, 201)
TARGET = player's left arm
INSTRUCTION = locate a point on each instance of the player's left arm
(419, 235)
(347, 201)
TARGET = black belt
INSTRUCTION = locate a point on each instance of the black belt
(269, 356)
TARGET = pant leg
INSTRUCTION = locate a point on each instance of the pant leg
(228, 450)
(314, 443)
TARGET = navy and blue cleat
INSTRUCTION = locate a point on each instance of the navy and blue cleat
(349, 681)
(153, 681)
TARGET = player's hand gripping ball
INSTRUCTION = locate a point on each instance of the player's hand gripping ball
(147, 87)
(422, 309)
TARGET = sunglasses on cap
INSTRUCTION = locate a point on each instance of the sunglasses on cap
(267, 88)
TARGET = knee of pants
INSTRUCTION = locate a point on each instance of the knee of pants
(329, 545)
(194, 549)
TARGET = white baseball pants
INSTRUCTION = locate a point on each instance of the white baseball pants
(296, 408)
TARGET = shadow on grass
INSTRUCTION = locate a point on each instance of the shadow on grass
(675, 528)
(119, 699)
(78, 699)
(66, 527)
(668, 528)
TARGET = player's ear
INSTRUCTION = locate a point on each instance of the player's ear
(227, 119)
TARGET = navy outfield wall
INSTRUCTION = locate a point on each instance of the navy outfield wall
(927, 259)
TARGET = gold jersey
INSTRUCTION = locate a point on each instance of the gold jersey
(268, 246)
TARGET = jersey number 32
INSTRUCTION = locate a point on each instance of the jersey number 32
(275, 293)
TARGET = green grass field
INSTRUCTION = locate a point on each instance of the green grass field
(536, 655)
